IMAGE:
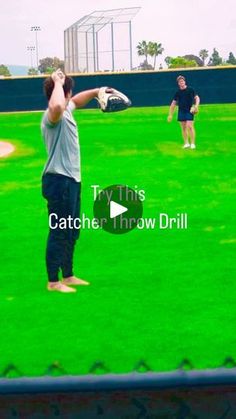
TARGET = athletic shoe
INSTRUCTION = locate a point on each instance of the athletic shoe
(60, 287)
(193, 146)
(74, 281)
(186, 145)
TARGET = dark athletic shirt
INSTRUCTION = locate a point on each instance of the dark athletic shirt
(185, 98)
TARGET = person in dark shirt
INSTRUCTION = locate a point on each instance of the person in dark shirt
(188, 102)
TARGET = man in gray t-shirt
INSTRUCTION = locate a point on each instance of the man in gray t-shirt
(65, 159)
(61, 180)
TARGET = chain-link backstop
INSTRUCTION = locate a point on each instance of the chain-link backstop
(100, 41)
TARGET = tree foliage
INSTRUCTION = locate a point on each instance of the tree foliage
(50, 63)
(145, 66)
(231, 60)
(215, 58)
(192, 57)
(204, 54)
(168, 60)
(155, 49)
(4, 71)
(32, 71)
(181, 62)
(152, 49)
(142, 49)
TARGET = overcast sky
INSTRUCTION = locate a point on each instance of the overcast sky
(182, 26)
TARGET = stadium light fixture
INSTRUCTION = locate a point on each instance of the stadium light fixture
(31, 49)
(36, 29)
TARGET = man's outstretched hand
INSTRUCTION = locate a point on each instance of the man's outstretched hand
(58, 76)
(194, 109)
(109, 90)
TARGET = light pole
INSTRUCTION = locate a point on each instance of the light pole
(36, 29)
(31, 49)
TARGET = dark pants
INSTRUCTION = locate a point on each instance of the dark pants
(63, 196)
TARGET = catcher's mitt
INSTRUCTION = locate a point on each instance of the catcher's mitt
(111, 100)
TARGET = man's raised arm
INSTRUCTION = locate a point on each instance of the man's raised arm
(57, 102)
(82, 98)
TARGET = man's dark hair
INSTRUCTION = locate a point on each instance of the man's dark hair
(49, 86)
(180, 78)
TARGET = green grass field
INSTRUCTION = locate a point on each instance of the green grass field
(156, 295)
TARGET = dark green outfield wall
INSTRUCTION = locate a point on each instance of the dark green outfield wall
(217, 85)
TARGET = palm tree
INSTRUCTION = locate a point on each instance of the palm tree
(142, 48)
(203, 54)
(154, 50)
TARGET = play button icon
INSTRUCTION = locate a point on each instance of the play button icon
(118, 209)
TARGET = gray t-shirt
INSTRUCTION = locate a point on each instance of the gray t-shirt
(62, 143)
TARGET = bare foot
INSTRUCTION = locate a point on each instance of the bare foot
(72, 280)
(59, 286)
